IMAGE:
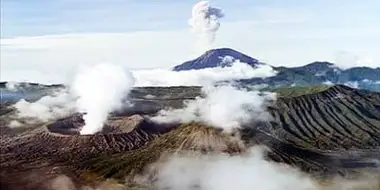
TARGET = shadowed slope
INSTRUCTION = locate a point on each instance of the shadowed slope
(89, 158)
(196, 139)
(54, 147)
(190, 137)
(340, 118)
(216, 58)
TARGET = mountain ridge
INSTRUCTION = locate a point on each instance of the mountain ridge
(315, 73)
(318, 72)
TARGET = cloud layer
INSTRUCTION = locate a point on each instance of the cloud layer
(57, 105)
(99, 89)
(288, 43)
(224, 172)
(202, 77)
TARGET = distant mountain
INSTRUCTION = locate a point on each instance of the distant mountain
(311, 74)
(320, 73)
(315, 73)
(216, 58)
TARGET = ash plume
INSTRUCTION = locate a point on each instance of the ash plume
(205, 23)
(100, 90)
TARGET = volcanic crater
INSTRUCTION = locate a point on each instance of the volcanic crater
(304, 133)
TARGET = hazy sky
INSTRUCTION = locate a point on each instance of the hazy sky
(41, 17)
(61, 34)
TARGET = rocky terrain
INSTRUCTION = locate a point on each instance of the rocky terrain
(332, 132)
(343, 117)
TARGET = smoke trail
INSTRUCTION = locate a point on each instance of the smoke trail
(100, 90)
(205, 22)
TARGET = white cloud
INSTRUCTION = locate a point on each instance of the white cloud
(57, 105)
(348, 59)
(352, 84)
(165, 77)
(12, 86)
(224, 106)
(100, 89)
(224, 172)
(14, 124)
(328, 83)
(54, 58)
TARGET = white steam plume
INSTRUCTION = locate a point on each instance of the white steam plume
(224, 106)
(100, 90)
(205, 22)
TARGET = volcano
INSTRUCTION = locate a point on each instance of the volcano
(222, 57)
(334, 131)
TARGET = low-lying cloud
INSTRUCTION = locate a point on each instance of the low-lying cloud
(12, 86)
(225, 172)
(40, 58)
(225, 106)
(346, 60)
(202, 77)
(100, 89)
(58, 104)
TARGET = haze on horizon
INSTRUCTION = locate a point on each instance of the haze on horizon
(49, 37)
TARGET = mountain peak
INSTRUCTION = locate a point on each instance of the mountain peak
(220, 57)
(320, 63)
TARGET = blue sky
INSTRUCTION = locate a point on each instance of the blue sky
(40, 17)
(58, 35)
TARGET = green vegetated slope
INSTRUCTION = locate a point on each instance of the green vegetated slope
(300, 90)
(337, 118)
